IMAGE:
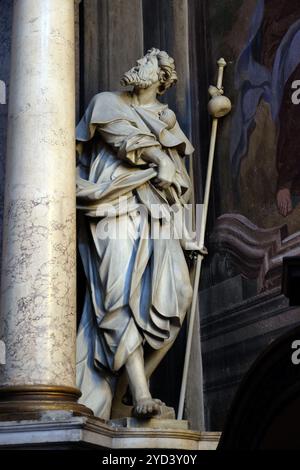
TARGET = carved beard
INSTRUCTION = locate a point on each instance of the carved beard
(140, 77)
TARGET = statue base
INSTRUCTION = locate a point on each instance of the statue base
(62, 429)
(151, 423)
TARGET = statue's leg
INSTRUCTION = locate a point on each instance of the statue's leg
(151, 362)
(144, 404)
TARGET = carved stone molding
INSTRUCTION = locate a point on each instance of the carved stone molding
(256, 253)
(56, 430)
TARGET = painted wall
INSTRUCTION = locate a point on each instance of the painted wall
(256, 190)
(258, 156)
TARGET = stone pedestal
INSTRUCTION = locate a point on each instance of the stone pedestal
(38, 315)
(152, 423)
(61, 430)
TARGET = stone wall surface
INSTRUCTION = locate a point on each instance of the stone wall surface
(5, 44)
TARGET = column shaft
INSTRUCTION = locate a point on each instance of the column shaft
(38, 298)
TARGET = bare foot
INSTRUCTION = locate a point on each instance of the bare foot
(147, 407)
(284, 202)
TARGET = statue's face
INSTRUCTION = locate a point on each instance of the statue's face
(144, 74)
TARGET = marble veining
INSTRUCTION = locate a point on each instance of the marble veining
(38, 298)
(38, 322)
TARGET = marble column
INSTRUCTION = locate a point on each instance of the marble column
(38, 289)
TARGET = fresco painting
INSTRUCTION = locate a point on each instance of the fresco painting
(259, 161)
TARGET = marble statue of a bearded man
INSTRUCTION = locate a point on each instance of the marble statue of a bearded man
(130, 149)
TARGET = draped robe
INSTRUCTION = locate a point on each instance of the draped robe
(138, 286)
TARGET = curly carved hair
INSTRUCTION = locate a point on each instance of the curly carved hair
(167, 74)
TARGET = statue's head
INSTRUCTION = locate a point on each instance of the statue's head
(155, 67)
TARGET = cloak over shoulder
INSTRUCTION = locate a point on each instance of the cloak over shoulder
(108, 107)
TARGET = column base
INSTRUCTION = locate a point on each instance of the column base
(29, 401)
